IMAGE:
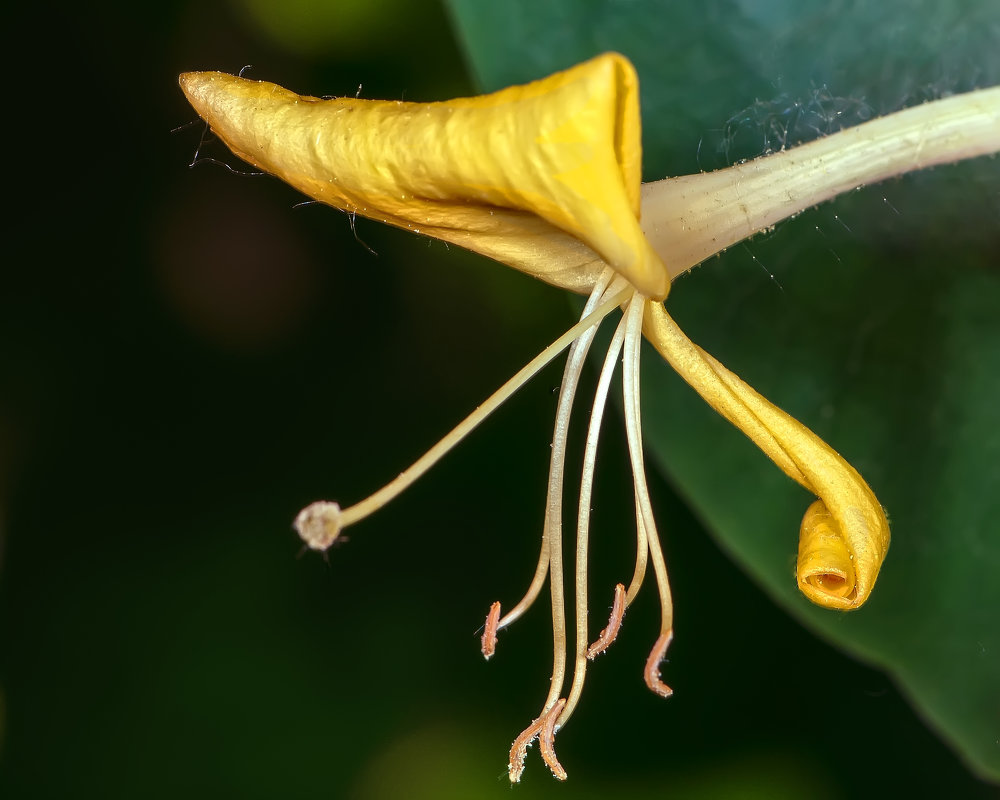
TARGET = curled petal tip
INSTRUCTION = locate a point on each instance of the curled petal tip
(844, 535)
(839, 559)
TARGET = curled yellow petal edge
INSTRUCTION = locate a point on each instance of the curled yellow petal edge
(498, 173)
(844, 534)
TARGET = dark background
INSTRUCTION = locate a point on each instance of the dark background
(187, 359)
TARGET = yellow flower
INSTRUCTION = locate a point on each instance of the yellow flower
(545, 178)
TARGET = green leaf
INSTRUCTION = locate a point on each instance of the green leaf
(875, 319)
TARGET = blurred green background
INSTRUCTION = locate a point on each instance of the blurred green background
(188, 359)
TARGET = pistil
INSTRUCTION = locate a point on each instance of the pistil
(320, 523)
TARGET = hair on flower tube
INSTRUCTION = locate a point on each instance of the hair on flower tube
(545, 178)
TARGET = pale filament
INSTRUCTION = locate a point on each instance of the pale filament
(583, 519)
(644, 511)
(641, 555)
(633, 429)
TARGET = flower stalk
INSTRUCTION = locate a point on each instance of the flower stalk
(693, 217)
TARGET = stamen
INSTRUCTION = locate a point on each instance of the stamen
(583, 517)
(553, 505)
(375, 501)
(489, 640)
(652, 671)
(610, 633)
(644, 511)
(547, 741)
(519, 749)
(633, 411)
(633, 430)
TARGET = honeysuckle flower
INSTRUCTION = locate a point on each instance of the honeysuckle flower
(545, 178)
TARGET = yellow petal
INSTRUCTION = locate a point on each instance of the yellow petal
(499, 174)
(845, 534)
